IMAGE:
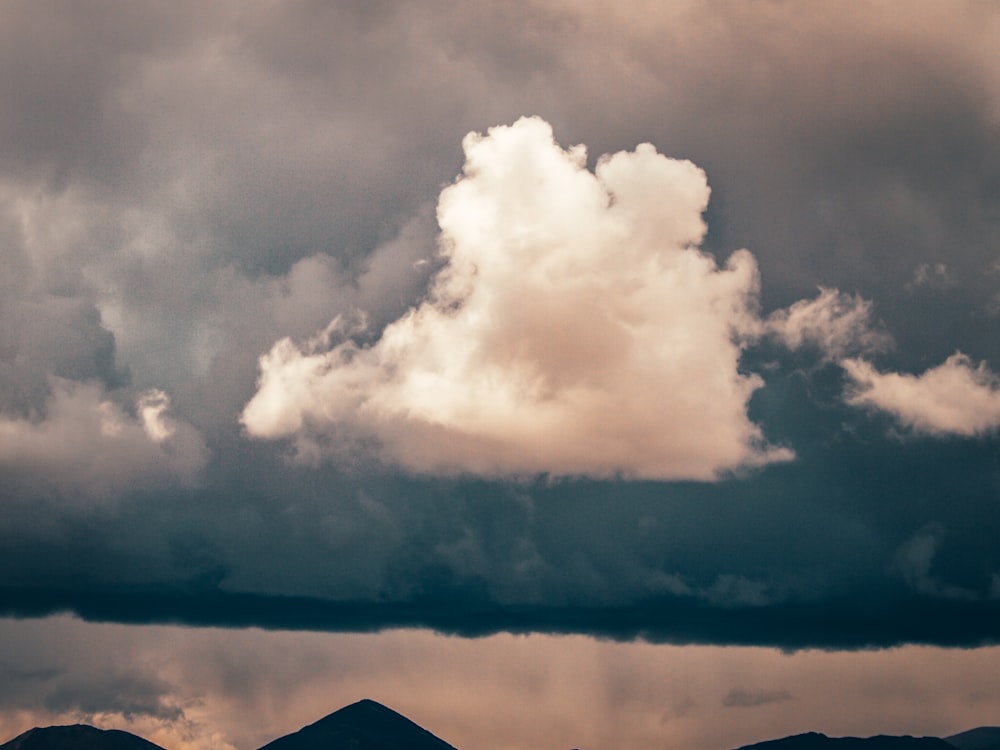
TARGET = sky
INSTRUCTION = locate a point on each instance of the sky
(558, 374)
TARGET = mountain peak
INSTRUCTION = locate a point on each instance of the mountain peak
(365, 725)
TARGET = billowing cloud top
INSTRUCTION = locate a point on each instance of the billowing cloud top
(576, 328)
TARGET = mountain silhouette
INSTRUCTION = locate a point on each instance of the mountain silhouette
(368, 725)
(816, 741)
(365, 725)
(980, 738)
(78, 737)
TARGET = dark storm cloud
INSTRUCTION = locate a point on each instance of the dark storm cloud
(181, 189)
(675, 563)
(839, 565)
(452, 610)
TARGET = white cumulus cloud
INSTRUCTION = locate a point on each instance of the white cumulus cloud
(575, 328)
(954, 398)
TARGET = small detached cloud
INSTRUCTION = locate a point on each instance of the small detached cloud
(87, 445)
(936, 276)
(954, 398)
(836, 323)
(575, 328)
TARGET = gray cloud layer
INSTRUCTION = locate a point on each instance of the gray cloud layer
(180, 190)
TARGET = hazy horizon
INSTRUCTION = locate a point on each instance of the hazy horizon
(200, 688)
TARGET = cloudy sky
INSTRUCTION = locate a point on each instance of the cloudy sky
(559, 374)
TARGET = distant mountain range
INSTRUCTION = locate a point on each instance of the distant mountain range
(983, 738)
(367, 725)
(78, 737)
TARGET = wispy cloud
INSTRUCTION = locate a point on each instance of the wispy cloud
(954, 398)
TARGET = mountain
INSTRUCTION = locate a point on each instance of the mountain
(981, 738)
(77, 737)
(365, 725)
(816, 741)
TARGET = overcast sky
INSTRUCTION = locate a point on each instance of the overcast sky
(670, 325)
